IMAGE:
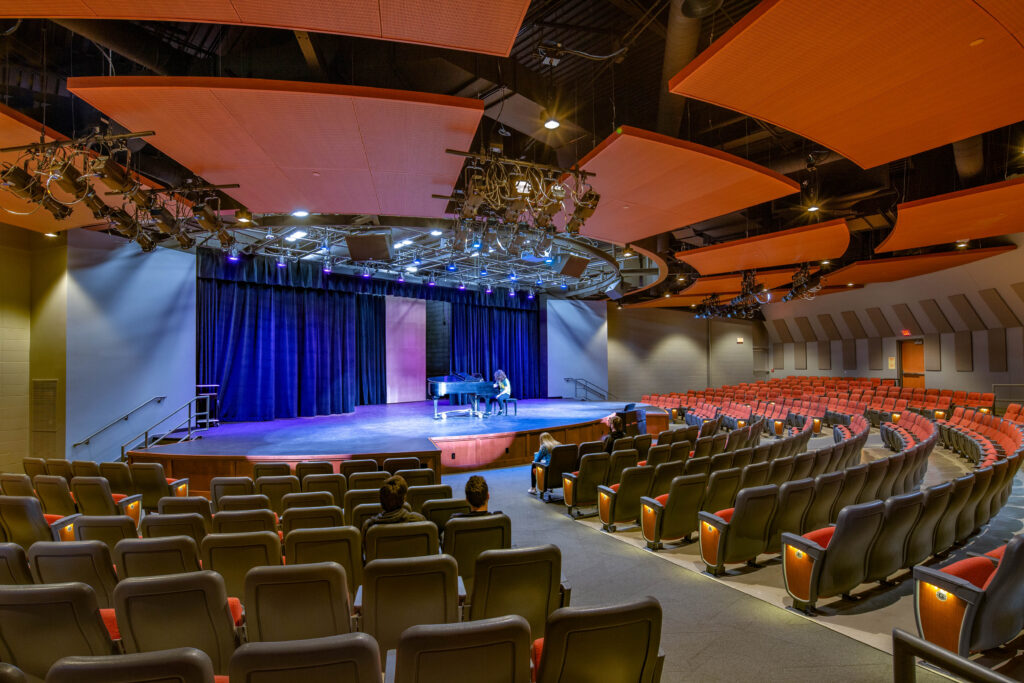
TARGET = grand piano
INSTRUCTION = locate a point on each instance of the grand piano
(465, 386)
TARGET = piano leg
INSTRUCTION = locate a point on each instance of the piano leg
(436, 416)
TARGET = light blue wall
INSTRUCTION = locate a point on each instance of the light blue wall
(577, 344)
(131, 335)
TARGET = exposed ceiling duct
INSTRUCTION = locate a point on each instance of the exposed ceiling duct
(969, 155)
(697, 9)
(681, 39)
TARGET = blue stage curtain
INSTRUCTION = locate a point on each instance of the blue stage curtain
(370, 350)
(484, 340)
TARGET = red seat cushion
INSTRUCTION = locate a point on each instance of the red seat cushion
(221, 679)
(976, 570)
(170, 480)
(996, 554)
(663, 499)
(576, 473)
(118, 497)
(614, 487)
(235, 607)
(50, 519)
(642, 463)
(821, 536)
(726, 514)
(535, 651)
(110, 621)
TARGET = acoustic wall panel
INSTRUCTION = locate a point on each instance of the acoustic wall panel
(966, 312)
(874, 353)
(907, 319)
(782, 329)
(778, 356)
(935, 315)
(882, 327)
(806, 331)
(854, 325)
(824, 355)
(963, 350)
(405, 355)
(800, 356)
(829, 325)
(994, 300)
(997, 350)
(933, 352)
(849, 354)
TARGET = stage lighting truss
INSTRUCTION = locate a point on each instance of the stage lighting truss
(59, 175)
(805, 285)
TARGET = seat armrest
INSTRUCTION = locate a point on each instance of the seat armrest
(131, 506)
(571, 476)
(711, 519)
(651, 502)
(64, 528)
(179, 487)
(803, 544)
(391, 659)
(606, 489)
(961, 588)
(566, 592)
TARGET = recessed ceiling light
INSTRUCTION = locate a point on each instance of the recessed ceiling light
(550, 122)
(813, 207)
(825, 263)
(849, 284)
(300, 213)
(50, 234)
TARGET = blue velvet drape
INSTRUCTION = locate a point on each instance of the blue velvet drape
(484, 340)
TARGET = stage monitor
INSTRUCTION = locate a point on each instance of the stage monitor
(572, 266)
(371, 247)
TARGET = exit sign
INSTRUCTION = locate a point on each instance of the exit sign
(905, 333)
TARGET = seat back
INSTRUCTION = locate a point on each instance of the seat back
(86, 562)
(460, 652)
(466, 537)
(242, 521)
(270, 469)
(588, 447)
(523, 581)
(350, 467)
(967, 522)
(1000, 616)
(140, 557)
(750, 523)
(16, 485)
(721, 461)
(14, 569)
(41, 624)
(743, 457)
(333, 484)
(718, 443)
(93, 496)
(118, 476)
(658, 454)
(612, 643)
(311, 518)
(803, 465)
(276, 487)
(405, 592)
(892, 473)
(856, 530)
(680, 450)
(22, 521)
(921, 542)
(59, 467)
(636, 482)
(233, 555)
(945, 530)
(306, 468)
(563, 459)
(368, 480)
(106, 528)
(421, 476)
(722, 488)
(178, 665)
(33, 466)
(55, 495)
(394, 465)
(180, 610)
(794, 499)
(250, 502)
(642, 444)
(356, 497)
(308, 499)
(230, 486)
(754, 475)
(877, 470)
(780, 470)
(339, 544)
(593, 472)
(666, 437)
(702, 447)
(293, 602)
(440, 510)
(826, 490)
(151, 482)
(618, 461)
(409, 539)
(663, 476)
(697, 466)
(186, 524)
(181, 505)
(889, 551)
(853, 482)
(418, 495)
(353, 657)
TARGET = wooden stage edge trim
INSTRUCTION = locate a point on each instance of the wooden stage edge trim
(454, 453)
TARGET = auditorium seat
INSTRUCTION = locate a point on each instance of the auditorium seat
(242, 521)
(974, 604)
(697, 466)
(177, 505)
(367, 480)
(160, 526)
(230, 486)
(177, 665)
(307, 467)
(276, 488)
(588, 447)
(255, 501)
(722, 489)
(742, 457)
(623, 444)
(657, 455)
(14, 570)
(270, 469)
(666, 437)
(921, 541)
(41, 624)
(400, 593)
(308, 499)
(16, 485)
(720, 461)
(889, 551)
(22, 521)
(418, 495)
(680, 450)
(463, 652)
(522, 581)
(294, 602)
(780, 470)
(119, 476)
(59, 467)
(877, 470)
(394, 465)
(95, 498)
(1000, 470)
(33, 466)
(967, 521)
(576, 642)
(107, 528)
(702, 447)
(794, 499)
(803, 466)
(139, 557)
(334, 484)
(233, 555)
(620, 502)
(642, 444)
(421, 476)
(335, 544)
(151, 482)
(548, 476)
(663, 476)
(363, 512)
(466, 537)
(320, 517)
(853, 482)
(353, 657)
(740, 533)
(672, 516)
(440, 510)
(409, 539)
(85, 468)
(87, 562)
(833, 560)
(193, 612)
(826, 490)
(53, 492)
(618, 461)
(349, 467)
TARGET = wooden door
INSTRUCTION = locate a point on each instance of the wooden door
(912, 363)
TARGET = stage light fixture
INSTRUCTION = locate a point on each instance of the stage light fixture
(165, 220)
(20, 183)
(451, 267)
(225, 238)
(583, 210)
(627, 253)
(411, 269)
(329, 266)
(563, 286)
(417, 260)
(70, 180)
(549, 259)
(280, 261)
(488, 290)
(431, 283)
(207, 218)
(300, 213)
(401, 277)
(529, 294)
(512, 276)
(233, 254)
(436, 233)
(512, 292)
(114, 176)
(462, 285)
(483, 272)
(540, 282)
(523, 187)
(962, 244)
(270, 234)
(825, 263)
(475, 254)
(295, 235)
(366, 272)
(185, 240)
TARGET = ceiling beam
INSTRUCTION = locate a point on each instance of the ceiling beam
(635, 12)
(310, 54)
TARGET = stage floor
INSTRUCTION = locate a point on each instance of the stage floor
(392, 428)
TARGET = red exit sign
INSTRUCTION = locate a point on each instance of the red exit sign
(905, 333)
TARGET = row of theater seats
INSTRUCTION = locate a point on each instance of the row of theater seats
(40, 624)
(980, 437)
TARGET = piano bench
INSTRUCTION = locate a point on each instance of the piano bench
(511, 401)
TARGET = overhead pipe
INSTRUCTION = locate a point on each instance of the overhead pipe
(681, 39)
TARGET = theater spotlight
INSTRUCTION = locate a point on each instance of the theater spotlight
(207, 218)
(583, 210)
(70, 180)
(165, 220)
(185, 240)
(329, 266)
(22, 185)
(113, 176)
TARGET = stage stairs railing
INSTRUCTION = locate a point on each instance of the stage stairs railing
(585, 390)
(123, 418)
(182, 424)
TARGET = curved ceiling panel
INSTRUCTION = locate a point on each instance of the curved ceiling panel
(651, 183)
(771, 279)
(874, 80)
(487, 27)
(798, 245)
(319, 147)
(902, 267)
(987, 211)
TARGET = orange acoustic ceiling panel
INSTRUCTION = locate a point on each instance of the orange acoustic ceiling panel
(771, 279)
(319, 147)
(489, 27)
(651, 183)
(798, 245)
(676, 300)
(875, 80)
(986, 211)
(15, 130)
(900, 268)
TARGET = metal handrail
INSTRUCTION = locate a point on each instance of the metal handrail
(905, 647)
(203, 414)
(86, 440)
(589, 387)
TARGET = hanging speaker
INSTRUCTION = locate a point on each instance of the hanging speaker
(369, 247)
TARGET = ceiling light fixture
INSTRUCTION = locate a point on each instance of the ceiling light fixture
(366, 272)
(411, 269)
(50, 234)
(431, 283)
(813, 207)
(243, 216)
(280, 261)
(296, 235)
(300, 213)
(962, 244)
(329, 266)
(233, 254)
(550, 121)
(436, 233)
(451, 267)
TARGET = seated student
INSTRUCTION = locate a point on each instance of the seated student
(543, 455)
(478, 496)
(616, 426)
(392, 500)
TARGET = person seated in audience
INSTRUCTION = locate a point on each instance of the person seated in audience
(543, 455)
(478, 496)
(616, 433)
(392, 500)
